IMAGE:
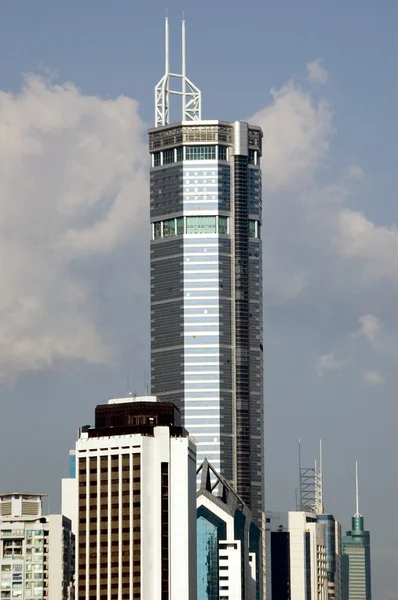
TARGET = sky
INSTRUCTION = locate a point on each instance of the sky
(76, 99)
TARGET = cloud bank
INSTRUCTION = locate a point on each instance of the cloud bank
(74, 170)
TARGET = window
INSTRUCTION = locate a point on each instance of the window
(200, 153)
(157, 230)
(180, 154)
(180, 225)
(252, 229)
(252, 157)
(222, 153)
(168, 228)
(201, 225)
(223, 225)
(168, 156)
(156, 159)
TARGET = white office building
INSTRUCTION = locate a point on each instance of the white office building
(36, 551)
(296, 557)
(136, 504)
(229, 542)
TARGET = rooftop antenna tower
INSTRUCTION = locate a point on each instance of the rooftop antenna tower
(357, 513)
(191, 95)
(310, 487)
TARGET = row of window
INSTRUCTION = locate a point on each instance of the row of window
(181, 153)
(198, 225)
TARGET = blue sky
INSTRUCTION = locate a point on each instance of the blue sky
(74, 243)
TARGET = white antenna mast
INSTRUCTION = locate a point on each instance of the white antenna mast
(357, 513)
(184, 67)
(321, 475)
(191, 95)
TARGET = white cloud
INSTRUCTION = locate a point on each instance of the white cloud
(373, 377)
(73, 172)
(369, 327)
(296, 137)
(316, 72)
(356, 173)
(74, 179)
(328, 362)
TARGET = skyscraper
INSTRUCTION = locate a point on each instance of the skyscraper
(229, 543)
(356, 570)
(333, 555)
(206, 282)
(136, 475)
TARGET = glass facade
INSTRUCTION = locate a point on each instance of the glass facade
(213, 257)
(210, 530)
(200, 152)
(201, 225)
(72, 464)
(356, 568)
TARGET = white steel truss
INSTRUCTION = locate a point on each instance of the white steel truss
(191, 95)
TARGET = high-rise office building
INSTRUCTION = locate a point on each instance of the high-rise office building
(333, 555)
(356, 569)
(296, 557)
(136, 486)
(229, 543)
(36, 550)
(206, 283)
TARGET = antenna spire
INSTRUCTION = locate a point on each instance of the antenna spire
(357, 513)
(321, 475)
(191, 95)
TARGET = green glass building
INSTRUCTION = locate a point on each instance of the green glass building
(356, 562)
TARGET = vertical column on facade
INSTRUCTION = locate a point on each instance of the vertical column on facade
(136, 525)
(131, 523)
(103, 493)
(108, 525)
(241, 242)
(98, 526)
(119, 527)
(87, 527)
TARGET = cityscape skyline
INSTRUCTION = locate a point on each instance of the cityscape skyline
(365, 326)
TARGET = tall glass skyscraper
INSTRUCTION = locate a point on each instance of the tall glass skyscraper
(356, 562)
(206, 284)
(356, 571)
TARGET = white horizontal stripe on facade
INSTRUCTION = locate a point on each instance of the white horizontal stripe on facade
(195, 347)
(204, 315)
(202, 289)
(201, 280)
(199, 333)
(194, 391)
(202, 372)
(199, 364)
(198, 253)
(193, 418)
(201, 262)
(199, 235)
(195, 298)
(188, 271)
(216, 324)
(196, 306)
(202, 426)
